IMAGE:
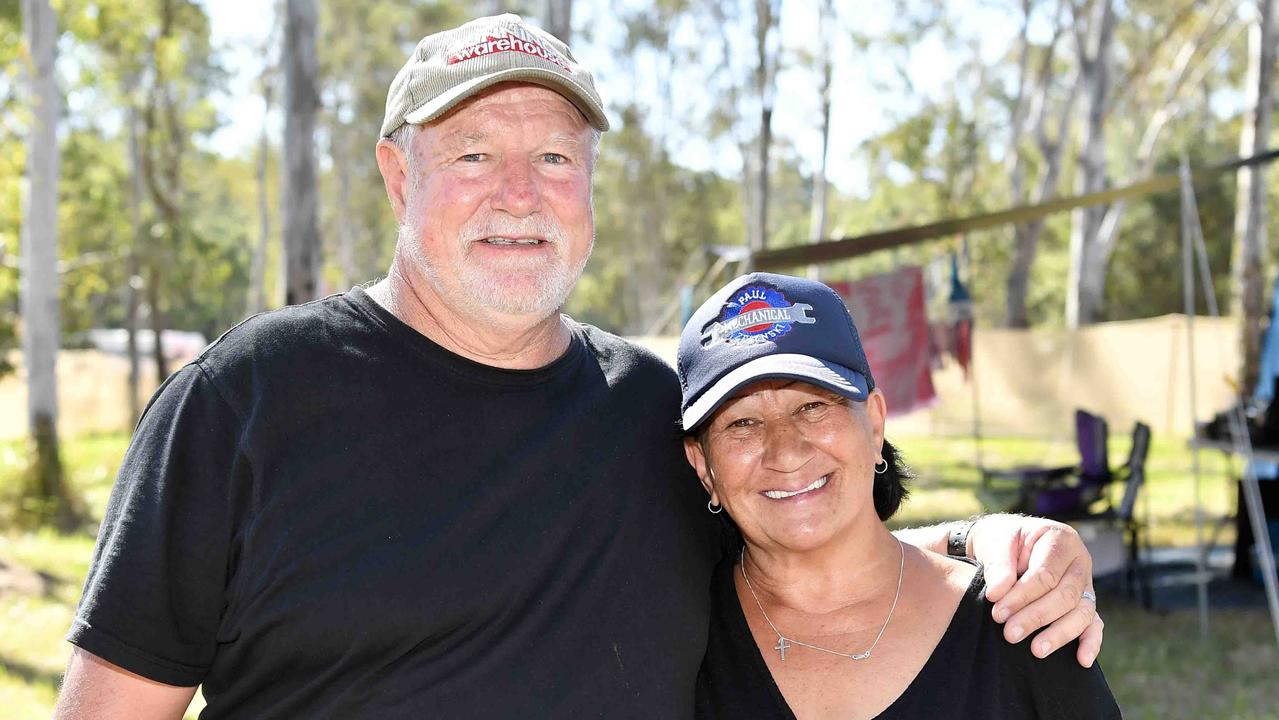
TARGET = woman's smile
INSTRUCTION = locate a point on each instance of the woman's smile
(802, 493)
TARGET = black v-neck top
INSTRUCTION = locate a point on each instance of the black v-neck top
(972, 673)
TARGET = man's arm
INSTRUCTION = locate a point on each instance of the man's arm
(95, 689)
(1036, 573)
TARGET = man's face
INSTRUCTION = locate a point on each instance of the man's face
(497, 214)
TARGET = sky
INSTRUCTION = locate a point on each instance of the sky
(858, 112)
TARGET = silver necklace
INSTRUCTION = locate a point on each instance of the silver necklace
(784, 642)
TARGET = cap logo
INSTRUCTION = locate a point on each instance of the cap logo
(756, 314)
(515, 40)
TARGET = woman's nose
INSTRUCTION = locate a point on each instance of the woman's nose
(786, 448)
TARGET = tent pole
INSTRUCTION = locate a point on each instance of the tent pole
(1188, 286)
(1240, 439)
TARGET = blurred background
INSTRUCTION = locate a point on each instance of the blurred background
(170, 167)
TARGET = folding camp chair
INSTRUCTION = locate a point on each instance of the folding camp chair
(1056, 491)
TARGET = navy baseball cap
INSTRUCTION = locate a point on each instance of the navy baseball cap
(763, 326)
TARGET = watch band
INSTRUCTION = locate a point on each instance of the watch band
(957, 543)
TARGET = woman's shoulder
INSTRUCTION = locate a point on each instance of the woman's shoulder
(977, 673)
(1056, 686)
(954, 582)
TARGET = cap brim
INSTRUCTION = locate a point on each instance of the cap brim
(575, 94)
(849, 383)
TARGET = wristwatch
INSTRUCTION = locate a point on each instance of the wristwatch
(957, 543)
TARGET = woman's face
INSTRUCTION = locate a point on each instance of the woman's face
(792, 463)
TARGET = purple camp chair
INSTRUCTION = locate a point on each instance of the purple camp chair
(1124, 517)
(1063, 491)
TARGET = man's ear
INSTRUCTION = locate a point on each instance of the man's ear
(395, 175)
(696, 455)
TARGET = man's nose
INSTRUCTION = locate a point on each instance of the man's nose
(517, 192)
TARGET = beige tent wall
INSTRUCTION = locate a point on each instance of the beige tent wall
(1030, 381)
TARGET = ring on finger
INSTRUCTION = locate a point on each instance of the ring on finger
(1090, 596)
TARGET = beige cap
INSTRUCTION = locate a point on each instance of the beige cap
(450, 66)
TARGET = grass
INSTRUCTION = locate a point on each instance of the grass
(33, 653)
(1155, 662)
(948, 481)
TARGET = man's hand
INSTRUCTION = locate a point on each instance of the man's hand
(1036, 573)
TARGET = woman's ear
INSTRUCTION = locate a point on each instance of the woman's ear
(876, 412)
(696, 455)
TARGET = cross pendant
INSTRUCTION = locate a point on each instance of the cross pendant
(781, 646)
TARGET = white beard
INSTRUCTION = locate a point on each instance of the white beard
(520, 285)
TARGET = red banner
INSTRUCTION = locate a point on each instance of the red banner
(890, 314)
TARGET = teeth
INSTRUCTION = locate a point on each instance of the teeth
(511, 241)
(781, 494)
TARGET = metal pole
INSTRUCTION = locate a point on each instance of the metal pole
(1238, 434)
(1188, 286)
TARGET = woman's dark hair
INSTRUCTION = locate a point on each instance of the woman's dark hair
(890, 486)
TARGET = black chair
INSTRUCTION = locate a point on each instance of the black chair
(1124, 517)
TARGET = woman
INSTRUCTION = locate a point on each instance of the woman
(822, 613)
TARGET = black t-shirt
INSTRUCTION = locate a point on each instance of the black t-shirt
(326, 515)
(973, 673)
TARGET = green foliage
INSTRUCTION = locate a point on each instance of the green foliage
(94, 226)
(654, 223)
(657, 219)
(12, 166)
(1152, 242)
(362, 46)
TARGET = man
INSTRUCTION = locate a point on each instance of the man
(440, 497)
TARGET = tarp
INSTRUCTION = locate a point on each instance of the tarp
(1269, 365)
(891, 318)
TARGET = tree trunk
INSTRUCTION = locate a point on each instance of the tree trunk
(133, 281)
(817, 220)
(559, 19)
(1103, 230)
(1095, 47)
(299, 191)
(1026, 245)
(767, 15)
(257, 270)
(1247, 266)
(46, 492)
(342, 139)
(157, 325)
(1026, 235)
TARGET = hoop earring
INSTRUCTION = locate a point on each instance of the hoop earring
(713, 508)
(878, 469)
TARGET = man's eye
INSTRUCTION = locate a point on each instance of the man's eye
(472, 157)
(554, 158)
(741, 423)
